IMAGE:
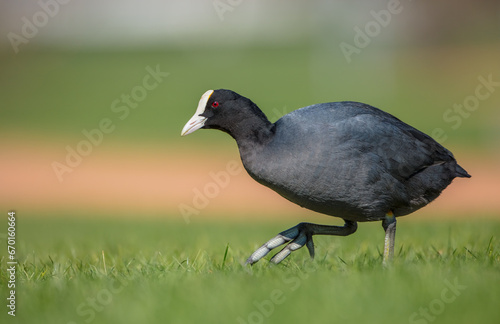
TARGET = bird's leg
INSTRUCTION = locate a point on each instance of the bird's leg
(389, 225)
(298, 236)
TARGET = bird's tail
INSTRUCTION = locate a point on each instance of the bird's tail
(460, 172)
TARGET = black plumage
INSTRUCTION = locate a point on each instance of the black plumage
(344, 159)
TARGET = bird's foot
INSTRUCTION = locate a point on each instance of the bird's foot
(296, 237)
(389, 225)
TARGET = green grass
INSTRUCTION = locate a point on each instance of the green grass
(152, 271)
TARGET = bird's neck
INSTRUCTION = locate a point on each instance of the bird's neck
(257, 133)
(251, 129)
(252, 145)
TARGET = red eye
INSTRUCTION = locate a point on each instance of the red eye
(215, 104)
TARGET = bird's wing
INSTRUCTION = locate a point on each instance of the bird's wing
(352, 126)
(403, 150)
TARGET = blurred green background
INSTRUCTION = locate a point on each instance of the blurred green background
(59, 93)
(66, 67)
(283, 56)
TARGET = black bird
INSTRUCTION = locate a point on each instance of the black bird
(344, 159)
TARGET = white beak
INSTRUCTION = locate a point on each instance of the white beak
(197, 121)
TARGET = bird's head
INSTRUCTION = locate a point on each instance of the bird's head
(224, 110)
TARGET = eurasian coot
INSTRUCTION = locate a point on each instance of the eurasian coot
(344, 159)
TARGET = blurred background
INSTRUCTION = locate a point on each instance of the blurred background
(94, 95)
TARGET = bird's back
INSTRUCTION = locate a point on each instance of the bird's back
(351, 160)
